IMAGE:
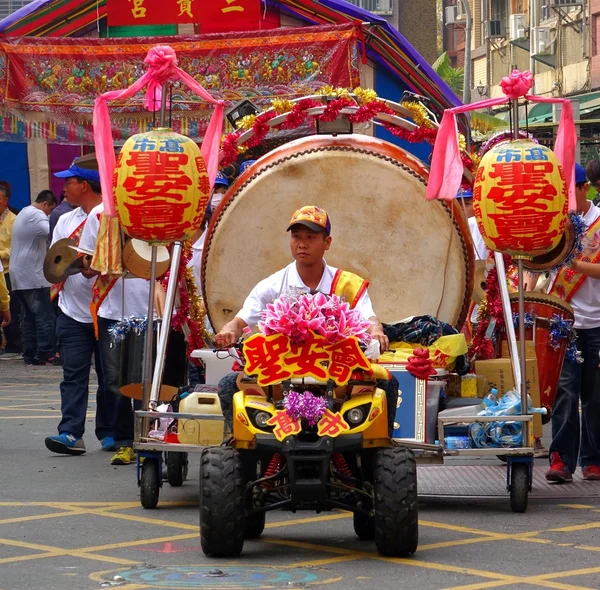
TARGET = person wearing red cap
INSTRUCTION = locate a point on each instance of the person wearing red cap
(310, 229)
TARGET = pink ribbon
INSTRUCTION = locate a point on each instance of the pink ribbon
(446, 171)
(162, 67)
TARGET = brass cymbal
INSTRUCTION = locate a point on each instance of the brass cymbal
(479, 282)
(62, 261)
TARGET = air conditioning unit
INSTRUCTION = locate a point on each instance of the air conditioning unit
(495, 29)
(517, 26)
(543, 43)
(451, 15)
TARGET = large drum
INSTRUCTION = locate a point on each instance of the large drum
(417, 254)
(541, 310)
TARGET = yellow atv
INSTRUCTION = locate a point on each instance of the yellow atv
(345, 461)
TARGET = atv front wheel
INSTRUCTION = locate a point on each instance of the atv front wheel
(222, 514)
(396, 509)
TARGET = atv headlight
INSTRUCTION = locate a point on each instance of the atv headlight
(355, 416)
(261, 419)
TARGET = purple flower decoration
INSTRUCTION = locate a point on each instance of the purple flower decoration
(304, 406)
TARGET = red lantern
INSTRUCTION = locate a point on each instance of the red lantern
(161, 187)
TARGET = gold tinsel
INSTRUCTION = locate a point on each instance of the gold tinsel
(365, 95)
(246, 122)
(197, 309)
(331, 91)
(282, 105)
(462, 142)
(420, 114)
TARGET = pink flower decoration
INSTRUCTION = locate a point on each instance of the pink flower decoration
(517, 85)
(297, 316)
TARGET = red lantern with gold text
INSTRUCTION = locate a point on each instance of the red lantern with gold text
(520, 199)
(161, 187)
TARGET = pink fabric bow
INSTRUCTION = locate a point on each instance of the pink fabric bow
(517, 85)
(446, 170)
(162, 67)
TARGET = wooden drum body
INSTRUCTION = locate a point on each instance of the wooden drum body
(542, 309)
(417, 254)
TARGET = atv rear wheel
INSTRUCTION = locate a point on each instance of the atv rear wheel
(396, 509)
(222, 514)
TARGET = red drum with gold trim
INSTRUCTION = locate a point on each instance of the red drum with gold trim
(550, 359)
(417, 254)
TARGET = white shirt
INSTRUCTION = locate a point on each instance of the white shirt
(586, 301)
(76, 295)
(272, 287)
(127, 297)
(196, 260)
(28, 249)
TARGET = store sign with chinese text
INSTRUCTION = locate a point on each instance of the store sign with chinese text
(212, 15)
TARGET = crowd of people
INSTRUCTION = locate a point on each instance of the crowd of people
(55, 323)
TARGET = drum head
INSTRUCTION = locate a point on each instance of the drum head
(417, 254)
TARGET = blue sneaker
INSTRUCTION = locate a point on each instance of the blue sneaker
(65, 444)
(108, 444)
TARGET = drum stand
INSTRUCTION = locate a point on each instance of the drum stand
(151, 390)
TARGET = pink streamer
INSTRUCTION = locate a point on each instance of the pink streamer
(162, 67)
(446, 170)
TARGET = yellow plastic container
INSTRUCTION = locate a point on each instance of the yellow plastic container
(197, 431)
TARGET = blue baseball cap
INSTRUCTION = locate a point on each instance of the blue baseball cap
(464, 194)
(246, 164)
(221, 179)
(580, 174)
(75, 170)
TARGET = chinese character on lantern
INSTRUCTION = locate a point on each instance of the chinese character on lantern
(138, 10)
(306, 360)
(332, 424)
(520, 199)
(185, 7)
(161, 186)
(233, 6)
(346, 356)
(284, 425)
(265, 357)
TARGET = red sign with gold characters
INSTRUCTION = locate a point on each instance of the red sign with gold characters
(161, 187)
(274, 359)
(520, 199)
(212, 15)
(331, 424)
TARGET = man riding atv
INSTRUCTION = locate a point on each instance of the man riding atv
(310, 229)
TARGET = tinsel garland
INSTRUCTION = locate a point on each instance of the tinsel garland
(135, 323)
(189, 309)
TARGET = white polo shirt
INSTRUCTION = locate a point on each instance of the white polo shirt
(586, 301)
(272, 287)
(127, 297)
(76, 295)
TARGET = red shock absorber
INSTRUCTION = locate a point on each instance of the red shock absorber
(340, 464)
(274, 466)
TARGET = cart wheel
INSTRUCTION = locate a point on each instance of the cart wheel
(519, 487)
(149, 484)
(255, 525)
(177, 468)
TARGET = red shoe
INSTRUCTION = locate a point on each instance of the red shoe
(558, 472)
(591, 472)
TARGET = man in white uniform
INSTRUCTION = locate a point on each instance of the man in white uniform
(74, 327)
(310, 238)
(127, 297)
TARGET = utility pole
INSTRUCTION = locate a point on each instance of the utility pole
(468, 26)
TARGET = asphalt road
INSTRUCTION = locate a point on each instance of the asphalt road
(76, 523)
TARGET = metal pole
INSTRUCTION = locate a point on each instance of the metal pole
(533, 22)
(161, 351)
(149, 342)
(468, 26)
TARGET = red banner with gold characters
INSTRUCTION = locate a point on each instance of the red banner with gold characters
(274, 358)
(331, 424)
(61, 77)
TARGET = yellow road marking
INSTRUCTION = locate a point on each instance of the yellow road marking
(283, 523)
(156, 521)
